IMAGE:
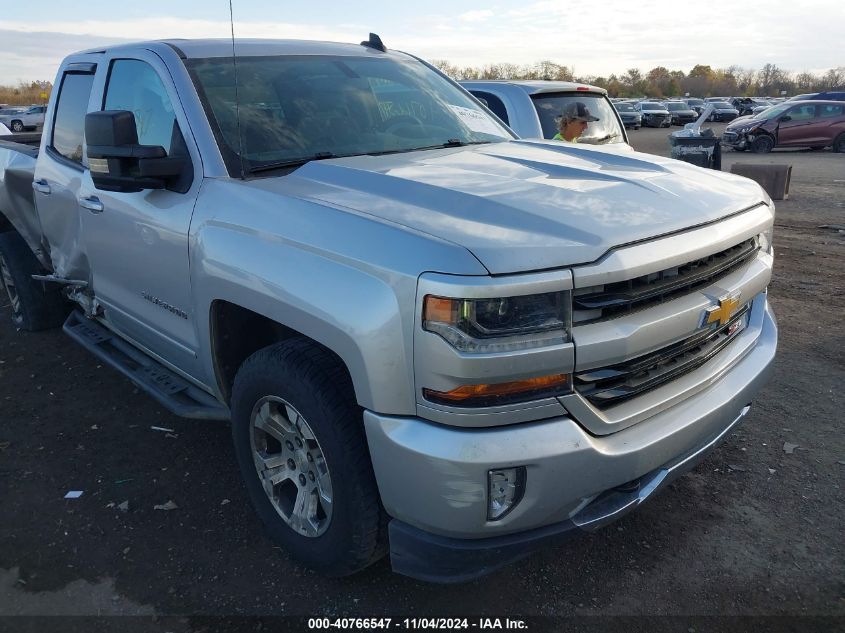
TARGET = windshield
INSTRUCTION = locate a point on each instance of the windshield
(722, 105)
(677, 106)
(774, 111)
(607, 129)
(624, 107)
(291, 109)
(695, 101)
(651, 106)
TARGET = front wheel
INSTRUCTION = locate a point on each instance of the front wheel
(839, 144)
(300, 445)
(17, 126)
(763, 145)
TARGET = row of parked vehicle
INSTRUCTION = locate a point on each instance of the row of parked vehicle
(665, 113)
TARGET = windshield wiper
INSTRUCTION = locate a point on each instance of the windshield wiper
(296, 162)
(452, 142)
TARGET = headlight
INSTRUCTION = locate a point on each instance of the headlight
(500, 324)
(765, 239)
(745, 129)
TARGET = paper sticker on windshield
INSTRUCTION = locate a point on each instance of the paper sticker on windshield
(476, 121)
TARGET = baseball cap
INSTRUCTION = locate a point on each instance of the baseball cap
(577, 111)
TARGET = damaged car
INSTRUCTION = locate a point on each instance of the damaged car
(629, 115)
(654, 114)
(722, 111)
(680, 112)
(816, 124)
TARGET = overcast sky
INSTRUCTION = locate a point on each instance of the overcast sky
(595, 38)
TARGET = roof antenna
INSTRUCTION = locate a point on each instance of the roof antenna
(237, 98)
(375, 42)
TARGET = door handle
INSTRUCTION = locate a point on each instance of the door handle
(41, 186)
(92, 203)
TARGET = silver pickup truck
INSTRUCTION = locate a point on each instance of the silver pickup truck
(432, 339)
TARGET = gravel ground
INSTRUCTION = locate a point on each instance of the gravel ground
(755, 530)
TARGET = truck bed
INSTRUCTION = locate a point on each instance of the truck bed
(17, 204)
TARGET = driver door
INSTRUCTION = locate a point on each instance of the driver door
(137, 242)
(798, 129)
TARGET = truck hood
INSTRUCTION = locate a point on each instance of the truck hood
(525, 205)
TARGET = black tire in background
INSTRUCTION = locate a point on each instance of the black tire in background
(309, 383)
(839, 144)
(35, 305)
(17, 126)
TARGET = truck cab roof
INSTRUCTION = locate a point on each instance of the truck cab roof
(222, 47)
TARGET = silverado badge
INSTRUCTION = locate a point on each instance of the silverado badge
(722, 313)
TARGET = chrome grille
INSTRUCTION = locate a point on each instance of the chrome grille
(623, 297)
(607, 386)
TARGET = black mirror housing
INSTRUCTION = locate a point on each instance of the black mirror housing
(115, 159)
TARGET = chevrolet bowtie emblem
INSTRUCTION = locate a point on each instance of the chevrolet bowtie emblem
(722, 313)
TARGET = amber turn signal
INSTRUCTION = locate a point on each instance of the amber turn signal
(501, 393)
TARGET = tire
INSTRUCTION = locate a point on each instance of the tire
(839, 144)
(35, 305)
(763, 144)
(817, 148)
(17, 126)
(295, 421)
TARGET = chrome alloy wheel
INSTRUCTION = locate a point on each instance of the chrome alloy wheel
(9, 285)
(291, 466)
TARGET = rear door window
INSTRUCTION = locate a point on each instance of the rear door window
(831, 111)
(69, 126)
(494, 103)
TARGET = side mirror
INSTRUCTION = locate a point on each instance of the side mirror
(786, 117)
(117, 162)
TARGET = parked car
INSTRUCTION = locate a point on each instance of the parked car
(432, 339)
(531, 108)
(29, 119)
(815, 124)
(830, 95)
(749, 105)
(695, 104)
(654, 114)
(630, 116)
(680, 112)
(722, 111)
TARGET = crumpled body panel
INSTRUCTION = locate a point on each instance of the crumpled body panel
(17, 169)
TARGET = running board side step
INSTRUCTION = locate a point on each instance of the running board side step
(173, 392)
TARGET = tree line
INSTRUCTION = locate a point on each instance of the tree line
(34, 92)
(701, 81)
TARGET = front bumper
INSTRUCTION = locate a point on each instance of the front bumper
(432, 478)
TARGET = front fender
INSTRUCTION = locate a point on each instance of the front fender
(354, 314)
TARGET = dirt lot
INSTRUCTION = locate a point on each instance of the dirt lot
(755, 530)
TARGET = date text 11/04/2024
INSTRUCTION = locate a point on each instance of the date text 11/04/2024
(416, 623)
